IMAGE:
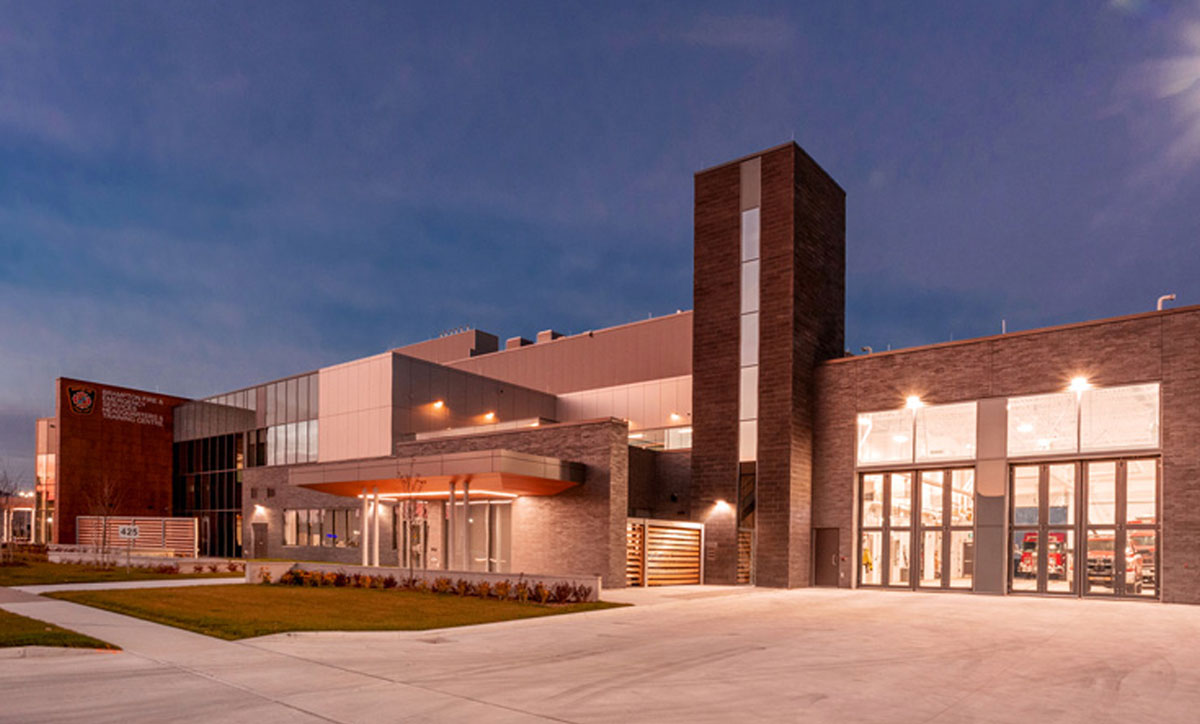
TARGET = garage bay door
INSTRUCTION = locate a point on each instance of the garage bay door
(663, 553)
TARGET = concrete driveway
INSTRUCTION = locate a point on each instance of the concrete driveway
(695, 654)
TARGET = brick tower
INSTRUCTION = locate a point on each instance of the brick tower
(769, 297)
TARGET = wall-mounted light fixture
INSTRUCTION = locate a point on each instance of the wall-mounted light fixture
(438, 404)
(1079, 384)
(913, 402)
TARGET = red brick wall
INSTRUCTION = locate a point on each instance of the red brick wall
(126, 438)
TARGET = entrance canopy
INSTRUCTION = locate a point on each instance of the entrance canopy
(494, 473)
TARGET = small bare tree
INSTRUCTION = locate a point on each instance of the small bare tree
(411, 512)
(9, 486)
(103, 495)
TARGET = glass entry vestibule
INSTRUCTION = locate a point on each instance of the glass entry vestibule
(917, 529)
(1088, 527)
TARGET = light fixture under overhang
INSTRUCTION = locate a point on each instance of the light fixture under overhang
(1079, 384)
(438, 404)
(489, 416)
(913, 402)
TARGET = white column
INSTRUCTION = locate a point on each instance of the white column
(364, 537)
(375, 530)
(449, 552)
(466, 524)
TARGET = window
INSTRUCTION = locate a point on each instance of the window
(322, 527)
(885, 437)
(946, 432)
(1094, 420)
(749, 339)
(1042, 424)
(1119, 418)
(748, 396)
(750, 285)
(748, 440)
(750, 234)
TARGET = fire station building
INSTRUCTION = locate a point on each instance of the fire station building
(735, 443)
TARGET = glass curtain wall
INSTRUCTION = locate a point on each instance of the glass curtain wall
(917, 529)
(208, 486)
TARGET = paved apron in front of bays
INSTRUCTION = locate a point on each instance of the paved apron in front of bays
(699, 654)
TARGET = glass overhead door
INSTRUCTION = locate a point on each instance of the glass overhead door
(917, 529)
(1122, 527)
(1042, 535)
(1085, 526)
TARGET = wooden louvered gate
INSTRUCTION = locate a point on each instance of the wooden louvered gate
(663, 552)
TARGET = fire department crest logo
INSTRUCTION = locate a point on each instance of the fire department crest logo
(83, 400)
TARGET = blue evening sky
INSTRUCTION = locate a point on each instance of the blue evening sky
(196, 197)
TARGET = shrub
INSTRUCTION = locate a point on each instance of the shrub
(441, 584)
(289, 578)
(484, 589)
(462, 587)
(419, 584)
(562, 592)
(390, 582)
(356, 580)
(521, 591)
(234, 567)
(503, 589)
(264, 575)
(583, 593)
(340, 579)
(214, 567)
(541, 592)
(169, 568)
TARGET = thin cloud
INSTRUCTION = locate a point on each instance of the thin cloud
(748, 33)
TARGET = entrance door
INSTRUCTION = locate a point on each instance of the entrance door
(826, 557)
(260, 539)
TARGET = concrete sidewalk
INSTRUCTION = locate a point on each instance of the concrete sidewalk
(696, 655)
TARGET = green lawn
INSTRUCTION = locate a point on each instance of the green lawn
(21, 631)
(35, 572)
(235, 612)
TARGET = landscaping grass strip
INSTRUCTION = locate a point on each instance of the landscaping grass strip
(33, 573)
(235, 612)
(23, 631)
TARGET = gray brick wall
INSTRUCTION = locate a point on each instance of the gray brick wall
(1162, 347)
